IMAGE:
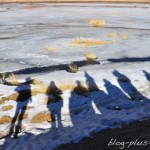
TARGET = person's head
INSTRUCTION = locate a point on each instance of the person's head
(120, 76)
(106, 81)
(116, 73)
(52, 83)
(78, 83)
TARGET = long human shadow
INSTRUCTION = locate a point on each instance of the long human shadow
(81, 99)
(127, 86)
(129, 59)
(54, 97)
(76, 102)
(22, 101)
(147, 75)
(93, 98)
(54, 104)
(92, 86)
(113, 90)
(97, 95)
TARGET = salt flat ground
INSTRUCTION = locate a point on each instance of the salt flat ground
(37, 40)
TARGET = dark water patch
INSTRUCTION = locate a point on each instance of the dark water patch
(129, 59)
(127, 28)
(47, 69)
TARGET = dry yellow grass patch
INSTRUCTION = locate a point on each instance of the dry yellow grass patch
(72, 68)
(49, 90)
(112, 35)
(5, 119)
(20, 96)
(90, 56)
(44, 89)
(97, 23)
(26, 94)
(39, 87)
(13, 96)
(124, 36)
(13, 79)
(2, 101)
(8, 119)
(67, 86)
(14, 82)
(35, 81)
(89, 43)
(6, 108)
(41, 117)
(47, 49)
(80, 88)
(64, 85)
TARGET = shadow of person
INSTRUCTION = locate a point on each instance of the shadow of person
(92, 86)
(147, 75)
(96, 99)
(54, 104)
(80, 89)
(77, 102)
(113, 90)
(24, 97)
(80, 100)
(116, 97)
(127, 86)
(83, 100)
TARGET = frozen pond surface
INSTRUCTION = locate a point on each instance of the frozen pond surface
(37, 41)
(26, 30)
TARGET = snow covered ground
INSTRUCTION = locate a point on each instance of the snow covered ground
(38, 42)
